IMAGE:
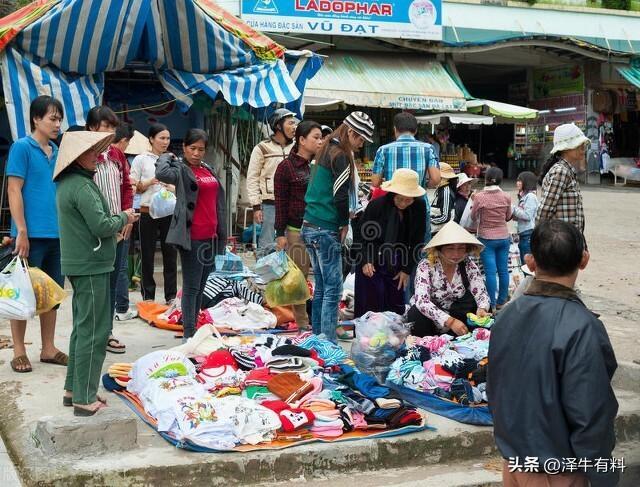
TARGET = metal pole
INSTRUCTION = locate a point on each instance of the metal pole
(229, 171)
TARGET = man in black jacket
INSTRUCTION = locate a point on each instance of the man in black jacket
(551, 364)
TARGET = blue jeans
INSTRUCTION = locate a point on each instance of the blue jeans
(122, 281)
(524, 244)
(267, 232)
(197, 264)
(495, 258)
(325, 252)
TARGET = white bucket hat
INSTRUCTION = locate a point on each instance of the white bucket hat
(74, 144)
(139, 144)
(568, 136)
(404, 182)
(452, 233)
(463, 179)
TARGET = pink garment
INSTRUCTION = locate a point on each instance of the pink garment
(435, 344)
(434, 294)
(492, 210)
(481, 334)
(359, 422)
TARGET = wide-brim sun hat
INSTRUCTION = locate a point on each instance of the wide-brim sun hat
(568, 136)
(452, 233)
(446, 171)
(404, 182)
(138, 144)
(361, 124)
(463, 179)
(74, 144)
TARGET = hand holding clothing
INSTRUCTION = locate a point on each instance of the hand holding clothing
(457, 326)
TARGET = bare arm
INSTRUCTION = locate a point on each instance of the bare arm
(16, 206)
(434, 177)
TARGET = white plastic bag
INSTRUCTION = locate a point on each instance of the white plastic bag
(17, 299)
(466, 221)
(163, 203)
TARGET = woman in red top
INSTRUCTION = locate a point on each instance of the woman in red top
(290, 185)
(492, 210)
(198, 224)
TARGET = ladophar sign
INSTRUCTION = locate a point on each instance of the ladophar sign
(405, 19)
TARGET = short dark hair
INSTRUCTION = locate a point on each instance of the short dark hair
(557, 247)
(493, 176)
(155, 129)
(99, 114)
(195, 135)
(529, 181)
(123, 131)
(405, 122)
(40, 107)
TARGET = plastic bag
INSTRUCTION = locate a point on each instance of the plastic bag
(291, 289)
(229, 262)
(273, 266)
(163, 203)
(47, 291)
(378, 338)
(17, 300)
(466, 221)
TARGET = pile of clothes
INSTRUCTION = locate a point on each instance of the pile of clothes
(448, 367)
(222, 392)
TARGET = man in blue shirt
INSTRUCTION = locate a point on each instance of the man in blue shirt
(409, 153)
(34, 219)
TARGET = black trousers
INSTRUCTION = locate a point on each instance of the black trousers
(423, 326)
(197, 264)
(149, 230)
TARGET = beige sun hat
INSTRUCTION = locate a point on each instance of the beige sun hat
(452, 233)
(568, 136)
(404, 182)
(74, 144)
(463, 179)
(446, 171)
(139, 144)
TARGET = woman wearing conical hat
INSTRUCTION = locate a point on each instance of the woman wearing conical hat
(448, 284)
(88, 250)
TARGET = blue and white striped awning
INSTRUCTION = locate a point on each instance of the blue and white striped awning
(66, 52)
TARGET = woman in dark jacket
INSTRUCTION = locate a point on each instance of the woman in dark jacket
(442, 207)
(388, 238)
(198, 226)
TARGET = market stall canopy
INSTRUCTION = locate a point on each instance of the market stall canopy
(632, 72)
(386, 81)
(64, 47)
(456, 118)
(505, 111)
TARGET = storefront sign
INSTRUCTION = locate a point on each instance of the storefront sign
(403, 19)
(560, 81)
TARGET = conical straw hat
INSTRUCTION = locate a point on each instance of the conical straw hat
(77, 143)
(139, 144)
(452, 233)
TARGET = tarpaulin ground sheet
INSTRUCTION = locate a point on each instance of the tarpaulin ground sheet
(281, 442)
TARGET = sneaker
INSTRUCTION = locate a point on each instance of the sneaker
(127, 315)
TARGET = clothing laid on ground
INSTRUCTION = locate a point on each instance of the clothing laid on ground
(549, 353)
(389, 239)
(435, 295)
(561, 196)
(29, 162)
(217, 289)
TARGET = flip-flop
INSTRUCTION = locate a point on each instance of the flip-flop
(59, 358)
(21, 361)
(67, 401)
(78, 411)
(117, 348)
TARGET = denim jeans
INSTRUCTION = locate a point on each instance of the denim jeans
(325, 252)
(495, 258)
(122, 281)
(524, 244)
(268, 232)
(197, 264)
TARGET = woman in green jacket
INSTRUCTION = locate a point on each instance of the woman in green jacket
(88, 250)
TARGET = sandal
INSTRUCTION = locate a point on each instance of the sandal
(23, 362)
(114, 345)
(59, 358)
(81, 411)
(67, 401)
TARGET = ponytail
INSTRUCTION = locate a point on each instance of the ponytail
(547, 166)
